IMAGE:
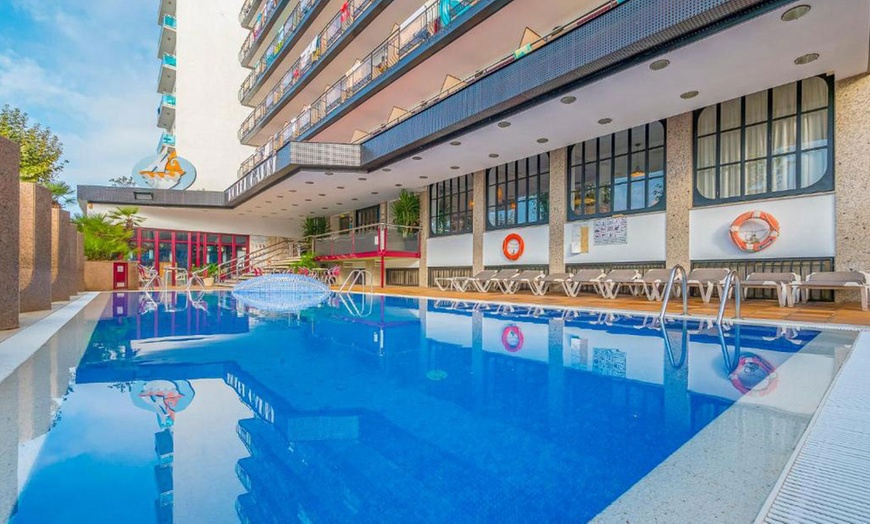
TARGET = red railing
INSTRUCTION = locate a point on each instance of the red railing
(372, 241)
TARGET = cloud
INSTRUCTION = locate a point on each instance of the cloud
(86, 69)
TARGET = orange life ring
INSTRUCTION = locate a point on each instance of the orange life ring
(754, 247)
(521, 246)
(512, 338)
(754, 376)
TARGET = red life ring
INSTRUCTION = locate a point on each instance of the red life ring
(754, 247)
(754, 376)
(505, 247)
(512, 338)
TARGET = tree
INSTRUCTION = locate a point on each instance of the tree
(104, 239)
(41, 150)
(127, 216)
(123, 181)
(61, 193)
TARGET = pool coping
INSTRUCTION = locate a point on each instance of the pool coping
(839, 432)
(18, 348)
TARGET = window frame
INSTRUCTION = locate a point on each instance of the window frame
(466, 204)
(661, 205)
(515, 182)
(824, 184)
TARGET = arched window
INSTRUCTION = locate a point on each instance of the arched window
(518, 192)
(774, 142)
(619, 173)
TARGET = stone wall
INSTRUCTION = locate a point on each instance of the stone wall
(678, 180)
(9, 242)
(35, 242)
(59, 254)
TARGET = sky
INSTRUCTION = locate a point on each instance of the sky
(88, 70)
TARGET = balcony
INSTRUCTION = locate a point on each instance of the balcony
(167, 36)
(412, 34)
(166, 112)
(166, 80)
(167, 7)
(167, 140)
(248, 12)
(373, 241)
(318, 53)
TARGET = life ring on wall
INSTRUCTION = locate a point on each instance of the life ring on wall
(513, 246)
(753, 243)
(512, 338)
(754, 376)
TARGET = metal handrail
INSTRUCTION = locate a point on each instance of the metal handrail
(733, 278)
(239, 265)
(669, 288)
(669, 350)
(354, 278)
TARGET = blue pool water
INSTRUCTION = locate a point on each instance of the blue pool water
(374, 409)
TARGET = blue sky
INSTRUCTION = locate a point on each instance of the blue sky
(88, 70)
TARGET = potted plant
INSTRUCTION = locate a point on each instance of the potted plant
(406, 212)
(211, 273)
(105, 242)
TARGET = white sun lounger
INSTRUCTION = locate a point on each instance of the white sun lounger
(461, 284)
(613, 282)
(485, 285)
(780, 282)
(584, 277)
(541, 286)
(835, 281)
(511, 285)
(707, 280)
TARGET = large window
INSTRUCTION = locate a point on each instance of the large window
(450, 206)
(773, 142)
(618, 173)
(518, 192)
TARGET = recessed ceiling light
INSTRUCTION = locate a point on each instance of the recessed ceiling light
(324, 208)
(354, 199)
(309, 182)
(795, 12)
(273, 213)
(605, 121)
(283, 209)
(280, 196)
(543, 140)
(806, 59)
(329, 173)
(301, 216)
(292, 191)
(321, 194)
(456, 143)
(339, 187)
(398, 185)
(362, 179)
(308, 200)
(374, 192)
(423, 177)
(417, 158)
(339, 203)
(658, 65)
(258, 207)
(454, 167)
(295, 205)
(268, 201)
(493, 155)
(568, 99)
(504, 123)
(386, 170)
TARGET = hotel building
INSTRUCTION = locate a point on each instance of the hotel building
(611, 134)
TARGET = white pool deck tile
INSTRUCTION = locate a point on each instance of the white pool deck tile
(827, 479)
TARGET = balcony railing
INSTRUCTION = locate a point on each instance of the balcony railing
(170, 60)
(376, 240)
(166, 140)
(167, 100)
(318, 47)
(169, 21)
(285, 32)
(246, 10)
(364, 72)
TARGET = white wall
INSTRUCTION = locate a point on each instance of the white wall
(449, 251)
(535, 238)
(208, 112)
(646, 242)
(807, 229)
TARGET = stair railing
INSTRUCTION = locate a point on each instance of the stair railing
(363, 277)
(732, 280)
(681, 271)
(240, 265)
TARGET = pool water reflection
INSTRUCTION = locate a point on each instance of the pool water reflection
(375, 409)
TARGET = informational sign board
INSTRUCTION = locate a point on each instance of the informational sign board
(580, 240)
(610, 231)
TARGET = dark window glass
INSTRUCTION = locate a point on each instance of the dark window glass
(450, 205)
(771, 142)
(518, 192)
(618, 173)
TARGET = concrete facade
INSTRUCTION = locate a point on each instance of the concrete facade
(678, 193)
(99, 275)
(59, 254)
(9, 242)
(478, 215)
(423, 278)
(35, 247)
(558, 212)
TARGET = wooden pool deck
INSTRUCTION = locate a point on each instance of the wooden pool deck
(812, 312)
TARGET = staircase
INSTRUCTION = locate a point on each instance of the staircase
(276, 258)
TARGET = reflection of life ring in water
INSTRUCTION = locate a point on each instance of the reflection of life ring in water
(754, 376)
(512, 338)
(513, 246)
(165, 397)
(754, 230)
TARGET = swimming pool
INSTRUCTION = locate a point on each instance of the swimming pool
(149, 408)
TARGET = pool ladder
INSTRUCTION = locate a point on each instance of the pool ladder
(363, 277)
(732, 281)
